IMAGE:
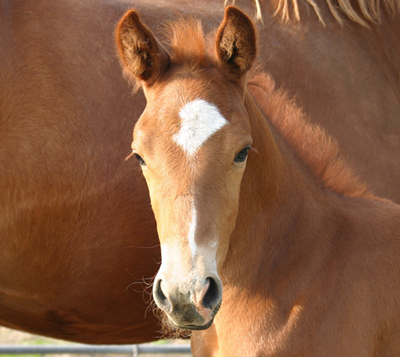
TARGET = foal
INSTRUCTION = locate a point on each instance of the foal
(253, 207)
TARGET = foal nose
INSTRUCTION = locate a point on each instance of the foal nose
(191, 308)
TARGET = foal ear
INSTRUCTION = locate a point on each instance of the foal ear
(236, 42)
(139, 50)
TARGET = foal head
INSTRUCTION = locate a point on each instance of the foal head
(192, 142)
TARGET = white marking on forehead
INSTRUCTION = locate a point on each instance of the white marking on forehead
(199, 121)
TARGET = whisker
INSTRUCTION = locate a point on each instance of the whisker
(131, 284)
(129, 156)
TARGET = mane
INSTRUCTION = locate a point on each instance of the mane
(316, 149)
(363, 12)
(188, 44)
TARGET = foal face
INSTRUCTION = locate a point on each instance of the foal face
(192, 141)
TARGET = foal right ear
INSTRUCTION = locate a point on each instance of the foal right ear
(236, 42)
(140, 52)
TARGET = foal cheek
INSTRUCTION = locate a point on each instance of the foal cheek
(155, 202)
(229, 210)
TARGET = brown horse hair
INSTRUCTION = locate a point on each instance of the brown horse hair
(317, 150)
(187, 42)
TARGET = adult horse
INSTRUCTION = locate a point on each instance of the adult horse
(306, 259)
(76, 228)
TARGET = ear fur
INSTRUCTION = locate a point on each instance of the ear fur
(139, 50)
(236, 42)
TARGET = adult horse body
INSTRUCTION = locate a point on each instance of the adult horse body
(75, 224)
(307, 259)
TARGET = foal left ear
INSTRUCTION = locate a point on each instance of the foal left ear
(236, 42)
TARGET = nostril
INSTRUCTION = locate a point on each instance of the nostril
(159, 293)
(160, 297)
(213, 294)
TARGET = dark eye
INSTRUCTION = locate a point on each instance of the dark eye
(139, 158)
(242, 155)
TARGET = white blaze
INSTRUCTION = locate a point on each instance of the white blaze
(192, 232)
(199, 121)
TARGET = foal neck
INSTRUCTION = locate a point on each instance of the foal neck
(286, 214)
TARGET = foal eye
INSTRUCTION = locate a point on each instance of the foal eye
(140, 160)
(242, 155)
